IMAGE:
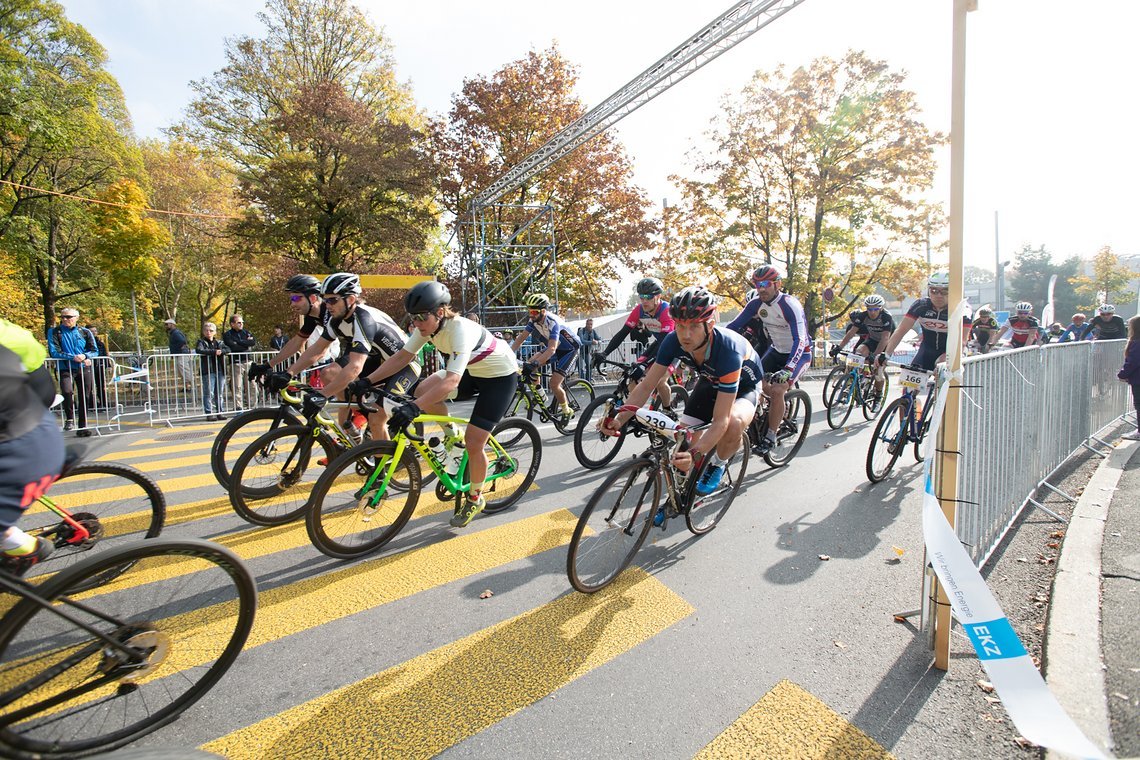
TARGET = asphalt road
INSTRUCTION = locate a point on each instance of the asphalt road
(772, 636)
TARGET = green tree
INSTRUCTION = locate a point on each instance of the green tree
(822, 171)
(1029, 281)
(1109, 279)
(325, 142)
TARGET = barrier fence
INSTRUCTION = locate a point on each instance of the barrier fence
(1024, 413)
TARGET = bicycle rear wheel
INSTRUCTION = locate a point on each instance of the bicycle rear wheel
(238, 432)
(705, 511)
(511, 468)
(889, 439)
(354, 512)
(186, 606)
(579, 395)
(841, 403)
(872, 403)
(593, 448)
(274, 477)
(114, 502)
(613, 526)
(793, 429)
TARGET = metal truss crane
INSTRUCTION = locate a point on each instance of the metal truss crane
(724, 32)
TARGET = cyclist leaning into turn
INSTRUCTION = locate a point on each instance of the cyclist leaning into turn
(561, 347)
(725, 395)
(487, 360)
(789, 345)
(874, 326)
(648, 323)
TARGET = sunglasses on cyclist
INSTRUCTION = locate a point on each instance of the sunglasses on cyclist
(874, 308)
(332, 300)
(939, 291)
(534, 312)
(295, 298)
(647, 298)
(764, 283)
(420, 317)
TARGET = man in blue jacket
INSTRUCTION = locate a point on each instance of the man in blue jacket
(75, 347)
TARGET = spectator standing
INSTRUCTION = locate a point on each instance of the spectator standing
(278, 341)
(240, 342)
(1130, 372)
(75, 347)
(100, 367)
(212, 353)
(1076, 329)
(590, 339)
(180, 350)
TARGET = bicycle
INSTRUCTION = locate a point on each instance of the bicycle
(528, 401)
(273, 475)
(836, 372)
(855, 388)
(251, 422)
(791, 433)
(82, 673)
(621, 512)
(901, 423)
(93, 504)
(358, 508)
(593, 448)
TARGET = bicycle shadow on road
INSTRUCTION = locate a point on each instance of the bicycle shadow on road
(850, 531)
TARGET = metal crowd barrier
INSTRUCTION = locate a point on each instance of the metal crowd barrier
(1024, 413)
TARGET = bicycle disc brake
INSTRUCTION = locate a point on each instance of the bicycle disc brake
(152, 647)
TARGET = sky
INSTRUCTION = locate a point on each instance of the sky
(1052, 111)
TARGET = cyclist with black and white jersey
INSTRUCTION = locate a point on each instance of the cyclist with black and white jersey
(874, 326)
(562, 346)
(933, 316)
(789, 350)
(472, 350)
(305, 302)
(373, 338)
(649, 322)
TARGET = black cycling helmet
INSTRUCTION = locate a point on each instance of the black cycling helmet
(693, 303)
(341, 284)
(305, 284)
(426, 296)
(649, 287)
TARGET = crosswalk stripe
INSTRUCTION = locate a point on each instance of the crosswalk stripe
(434, 701)
(202, 445)
(790, 722)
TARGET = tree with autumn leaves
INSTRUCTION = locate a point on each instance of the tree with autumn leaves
(820, 170)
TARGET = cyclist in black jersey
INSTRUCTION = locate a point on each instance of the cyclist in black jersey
(932, 314)
(31, 444)
(874, 326)
(305, 301)
(1106, 325)
(984, 329)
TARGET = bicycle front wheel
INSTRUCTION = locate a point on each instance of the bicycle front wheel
(793, 429)
(183, 609)
(238, 432)
(275, 475)
(841, 403)
(593, 448)
(356, 509)
(579, 395)
(889, 439)
(114, 503)
(613, 525)
(704, 511)
(511, 468)
(830, 381)
(873, 402)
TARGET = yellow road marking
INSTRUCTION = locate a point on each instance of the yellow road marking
(203, 445)
(179, 429)
(788, 722)
(434, 701)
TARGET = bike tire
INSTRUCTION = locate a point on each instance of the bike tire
(189, 603)
(579, 395)
(267, 494)
(678, 397)
(829, 381)
(922, 431)
(245, 427)
(793, 430)
(344, 521)
(604, 543)
(888, 440)
(511, 469)
(872, 407)
(115, 502)
(702, 513)
(838, 408)
(593, 449)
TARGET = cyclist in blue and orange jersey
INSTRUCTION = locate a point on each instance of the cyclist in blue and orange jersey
(1106, 325)
(874, 326)
(374, 338)
(789, 350)
(562, 347)
(472, 352)
(984, 329)
(31, 444)
(649, 322)
(932, 315)
(1023, 327)
(728, 371)
(1076, 330)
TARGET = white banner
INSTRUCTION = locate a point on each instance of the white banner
(1032, 707)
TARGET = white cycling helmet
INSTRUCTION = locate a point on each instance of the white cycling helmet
(1107, 308)
(939, 279)
(874, 301)
(1024, 307)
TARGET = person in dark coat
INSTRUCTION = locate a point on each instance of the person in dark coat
(180, 350)
(1130, 372)
(100, 368)
(212, 353)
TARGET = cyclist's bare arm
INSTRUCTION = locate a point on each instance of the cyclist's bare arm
(309, 357)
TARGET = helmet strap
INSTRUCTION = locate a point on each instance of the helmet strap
(440, 322)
